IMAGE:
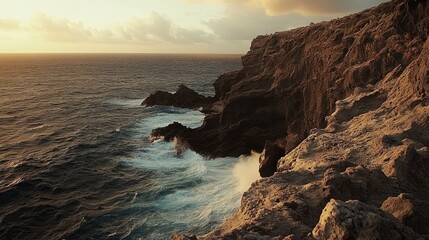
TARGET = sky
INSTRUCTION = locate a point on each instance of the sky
(156, 26)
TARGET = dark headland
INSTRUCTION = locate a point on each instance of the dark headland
(340, 112)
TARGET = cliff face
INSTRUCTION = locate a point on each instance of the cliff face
(349, 102)
(373, 151)
(291, 80)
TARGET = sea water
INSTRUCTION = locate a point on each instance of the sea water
(75, 157)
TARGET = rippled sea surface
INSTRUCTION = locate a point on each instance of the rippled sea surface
(75, 160)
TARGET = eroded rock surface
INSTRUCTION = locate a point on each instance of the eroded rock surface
(355, 220)
(409, 211)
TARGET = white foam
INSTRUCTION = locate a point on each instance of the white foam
(198, 191)
(37, 127)
(246, 171)
(187, 117)
(163, 116)
(126, 102)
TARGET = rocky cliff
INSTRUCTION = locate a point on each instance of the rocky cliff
(347, 101)
(374, 150)
(291, 80)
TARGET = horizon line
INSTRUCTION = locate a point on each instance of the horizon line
(149, 53)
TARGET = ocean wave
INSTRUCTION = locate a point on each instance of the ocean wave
(190, 193)
(75, 158)
(132, 103)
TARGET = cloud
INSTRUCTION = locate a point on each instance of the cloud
(245, 19)
(149, 30)
(314, 7)
(64, 30)
(246, 23)
(305, 7)
(9, 24)
(157, 27)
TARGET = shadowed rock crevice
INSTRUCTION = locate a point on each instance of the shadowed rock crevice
(269, 158)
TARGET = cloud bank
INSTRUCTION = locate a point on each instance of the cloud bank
(250, 22)
(315, 7)
(157, 27)
(228, 29)
(305, 7)
(149, 30)
(9, 24)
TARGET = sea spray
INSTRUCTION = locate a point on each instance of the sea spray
(131, 103)
(190, 192)
(246, 171)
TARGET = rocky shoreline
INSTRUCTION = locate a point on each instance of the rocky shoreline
(340, 110)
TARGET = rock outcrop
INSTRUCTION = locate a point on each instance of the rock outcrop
(410, 211)
(355, 220)
(184, 97)
(348, 100)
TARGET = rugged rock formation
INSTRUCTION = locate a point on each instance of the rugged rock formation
(291, 80)
(374, 148)
(169, 132)
(349, 101)
(409, 211)
(178, 236)
(355, 220)
(184, 97)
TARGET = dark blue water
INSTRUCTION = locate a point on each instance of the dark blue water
(75, 160)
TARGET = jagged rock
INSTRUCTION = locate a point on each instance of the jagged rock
(411, 169)
(355, 183)
(356, 220)
(409, 211)
(184, 97)
(361, 104)
(224, 83)
(269, 158)
(169, 132)
(178, 236)
(335, 185)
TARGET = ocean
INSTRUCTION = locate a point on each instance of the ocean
(75, 157)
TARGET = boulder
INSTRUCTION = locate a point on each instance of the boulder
(410, 211)
(356, 220)
(178, 236)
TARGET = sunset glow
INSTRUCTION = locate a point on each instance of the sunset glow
(163, 26)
